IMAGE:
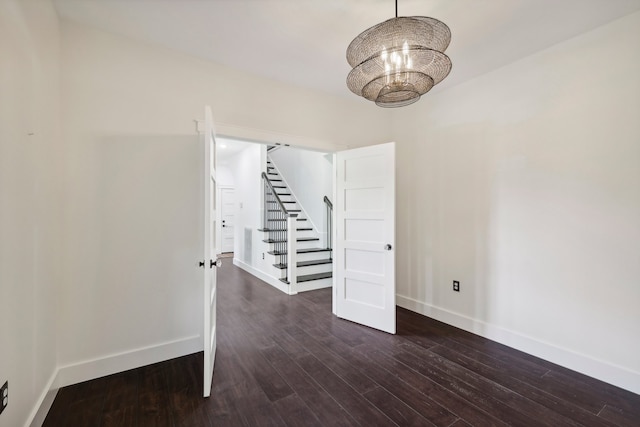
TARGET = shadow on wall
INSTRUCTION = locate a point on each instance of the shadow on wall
(138, 230)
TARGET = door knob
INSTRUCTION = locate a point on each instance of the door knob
(217, 263)
(387, 247)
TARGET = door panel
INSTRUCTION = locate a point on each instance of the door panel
(365, 236)
(227, 206)
(210, 252)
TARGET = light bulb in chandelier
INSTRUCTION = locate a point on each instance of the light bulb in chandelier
(397, 61)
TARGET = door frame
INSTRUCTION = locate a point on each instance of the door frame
(262, 136)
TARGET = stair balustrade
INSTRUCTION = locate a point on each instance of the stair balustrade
(281, 226)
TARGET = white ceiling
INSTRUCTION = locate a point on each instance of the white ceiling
(303, 42)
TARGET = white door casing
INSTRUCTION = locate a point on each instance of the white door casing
(210, 251)
(365, 236)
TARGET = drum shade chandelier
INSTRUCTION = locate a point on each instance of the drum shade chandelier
(397, 61)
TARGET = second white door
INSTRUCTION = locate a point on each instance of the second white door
(227, 207)
(365, 236)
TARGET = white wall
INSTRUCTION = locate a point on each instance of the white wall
(309, 176)
(524, 184)
(124, 264)
(141, 236)
(224, 175)
(247, 167)
(31, 235)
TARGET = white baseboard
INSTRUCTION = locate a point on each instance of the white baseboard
(276, 283)
(604, 371)
(42, 406)
(111, 364)
(95, 368)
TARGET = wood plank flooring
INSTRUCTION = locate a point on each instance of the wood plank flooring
(287, 361)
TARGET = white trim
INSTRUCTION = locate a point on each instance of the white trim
(99, 367)
(42, 406)
(600, 369)
(276, 283)
(269, 137)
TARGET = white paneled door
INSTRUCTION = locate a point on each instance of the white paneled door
(227, 207)
(210, 251)
(365, 236)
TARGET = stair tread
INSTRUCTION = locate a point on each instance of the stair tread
(300, 251)
(297, 219)
(305, 263)
(279, 194)
(300, 239)
(310, 277)
(283, 229)
(316, 276)
(288, 210)
(283, 201)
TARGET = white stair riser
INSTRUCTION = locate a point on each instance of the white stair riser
(313, 256)
(308, 245)
(301, 234)
(300, 245)
(313, 269)
(274, 259)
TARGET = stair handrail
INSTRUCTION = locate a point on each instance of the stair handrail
(329, 212)
(273, 190)
(328, 202)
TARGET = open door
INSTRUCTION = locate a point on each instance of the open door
(365, 236)
(210, 252)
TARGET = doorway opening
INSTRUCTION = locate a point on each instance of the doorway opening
(299, 179)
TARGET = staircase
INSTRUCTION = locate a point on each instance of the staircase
(314, 263)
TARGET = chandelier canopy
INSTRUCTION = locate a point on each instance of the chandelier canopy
(397, 61)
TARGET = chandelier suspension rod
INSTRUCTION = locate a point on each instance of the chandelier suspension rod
(396, 8)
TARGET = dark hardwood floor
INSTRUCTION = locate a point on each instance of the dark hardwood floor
(287, 361)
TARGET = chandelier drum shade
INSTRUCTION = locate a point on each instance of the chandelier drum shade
(397, 61)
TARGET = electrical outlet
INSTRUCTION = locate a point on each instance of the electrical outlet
(456, 286)
(262, 255)
(4, 396)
